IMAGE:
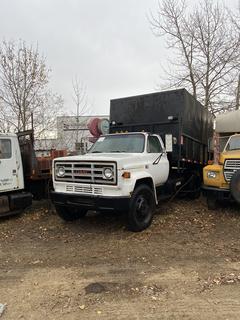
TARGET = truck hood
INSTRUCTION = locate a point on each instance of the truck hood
(235, 154)
(124, 160)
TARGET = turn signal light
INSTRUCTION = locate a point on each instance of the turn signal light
(126, 175)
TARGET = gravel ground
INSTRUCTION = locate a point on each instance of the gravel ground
(185, 266)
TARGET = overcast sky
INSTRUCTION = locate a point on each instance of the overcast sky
(107, 43)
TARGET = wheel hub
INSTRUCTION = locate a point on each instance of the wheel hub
(142, 208)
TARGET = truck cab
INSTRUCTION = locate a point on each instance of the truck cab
(120, 173)
(12, 196)
(221, 179)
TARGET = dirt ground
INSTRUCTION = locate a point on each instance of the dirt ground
(185, 266)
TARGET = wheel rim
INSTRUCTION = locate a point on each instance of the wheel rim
(142, 209)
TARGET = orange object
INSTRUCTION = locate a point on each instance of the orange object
(126, 175)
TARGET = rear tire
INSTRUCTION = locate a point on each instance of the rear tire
(70, 214)
(142, 207)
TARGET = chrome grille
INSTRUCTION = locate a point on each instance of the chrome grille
(69, 188)
(84, 189)
(230, 167)
(86, 172)
(232, 164)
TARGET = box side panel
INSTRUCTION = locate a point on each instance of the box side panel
(149, 108)
(150, 113)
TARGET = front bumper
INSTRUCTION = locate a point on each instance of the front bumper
(90, 202)
(220, 194)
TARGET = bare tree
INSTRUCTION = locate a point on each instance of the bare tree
(238, 94)
(72, 127)
(207, 48)
(45, 120)
(24, 78)
(236, 23)
(81, 103)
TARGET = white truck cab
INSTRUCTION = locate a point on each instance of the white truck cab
(120, 172)
(12, 197)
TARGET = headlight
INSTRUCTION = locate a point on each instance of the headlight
(108, 173)
(60, 172)
(212, 174)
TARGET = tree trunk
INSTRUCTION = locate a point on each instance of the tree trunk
(238, 94)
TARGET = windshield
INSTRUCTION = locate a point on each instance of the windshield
(129, 143)
(233, 143)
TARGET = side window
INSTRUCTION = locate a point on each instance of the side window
(154, 145)
(5, 149)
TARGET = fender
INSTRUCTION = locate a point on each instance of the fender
(136, 176)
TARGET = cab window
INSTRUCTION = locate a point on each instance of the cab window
(154, 145)
(5, 149)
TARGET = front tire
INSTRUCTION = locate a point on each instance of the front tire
(212, 202)
(142, 207)
(235, 186)
(69, 213)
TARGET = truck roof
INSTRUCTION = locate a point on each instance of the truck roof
(126, 132)
(151, 93)
(228, 122)
(7, 135)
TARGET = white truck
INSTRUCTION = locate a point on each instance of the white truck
(13, 198)
(23, 175)
(130, 170)
(119, 173)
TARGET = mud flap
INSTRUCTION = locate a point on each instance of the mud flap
(4, 204)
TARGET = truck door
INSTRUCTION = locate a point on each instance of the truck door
(8, 165)
(159, 164)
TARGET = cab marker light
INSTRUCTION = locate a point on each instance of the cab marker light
(126, 175)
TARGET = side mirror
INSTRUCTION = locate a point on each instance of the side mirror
(168, 142)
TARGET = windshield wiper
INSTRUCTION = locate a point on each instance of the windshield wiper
(112, 151)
